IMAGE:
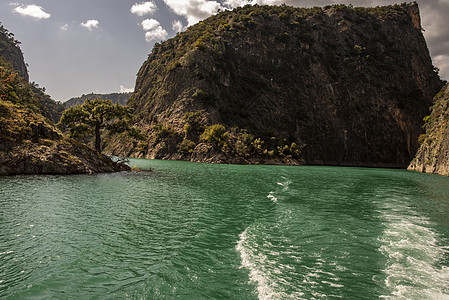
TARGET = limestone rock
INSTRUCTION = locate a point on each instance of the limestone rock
(433, 155)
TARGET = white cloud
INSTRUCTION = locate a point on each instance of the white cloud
(64, 27)
(143, 8)
(125, 90)
(177, 26)
(150, 24)
(236, 3)
(90, 24)
(154, 30)
(157, 34)
(194, 10)
(32, 10)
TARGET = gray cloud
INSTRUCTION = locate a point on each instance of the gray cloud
(435, 23)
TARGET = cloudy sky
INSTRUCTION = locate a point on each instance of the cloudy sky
(75, 47)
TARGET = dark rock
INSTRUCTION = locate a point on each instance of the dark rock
(350, 85)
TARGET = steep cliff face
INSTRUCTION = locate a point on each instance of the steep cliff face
(433, 155)
(10, 50)
(349, 86)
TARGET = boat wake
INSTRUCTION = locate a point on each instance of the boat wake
(256, 260)
(264, 271)
(413, 250)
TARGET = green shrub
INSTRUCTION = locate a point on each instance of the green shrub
(241, 142)
(216, 135)
(186, 147)
(162, 132)
(142, 147)
(358, 50)
(203, 97)
(194, 123)
(422, 138)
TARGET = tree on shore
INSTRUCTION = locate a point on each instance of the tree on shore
(95, 116)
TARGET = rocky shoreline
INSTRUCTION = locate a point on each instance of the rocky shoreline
(30, 145)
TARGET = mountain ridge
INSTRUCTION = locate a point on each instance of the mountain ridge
(121, 98)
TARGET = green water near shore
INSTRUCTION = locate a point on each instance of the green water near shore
(200, 231)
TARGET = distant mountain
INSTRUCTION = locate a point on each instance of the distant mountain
(337, 85)
(121, 98)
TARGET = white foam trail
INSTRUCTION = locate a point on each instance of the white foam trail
(412, 250)
(252, 261)
(272, 197)
(285, 184)
(260, 269)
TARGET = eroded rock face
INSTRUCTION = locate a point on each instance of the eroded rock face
(30, 145)
(349, 85)
(433, 155)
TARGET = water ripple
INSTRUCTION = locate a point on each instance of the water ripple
(195, 231)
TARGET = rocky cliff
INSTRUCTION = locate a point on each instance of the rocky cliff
(30, 145)
(336, 85)
(433, 155)
(10, 50)
(29, 141)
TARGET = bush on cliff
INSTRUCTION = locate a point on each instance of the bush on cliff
(216, 135)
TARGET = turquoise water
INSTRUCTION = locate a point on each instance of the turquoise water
(199, 231)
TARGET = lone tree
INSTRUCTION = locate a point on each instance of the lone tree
(93, 116)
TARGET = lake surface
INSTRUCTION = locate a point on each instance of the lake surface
(199, 231)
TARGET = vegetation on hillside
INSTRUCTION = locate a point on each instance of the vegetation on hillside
(20, 124)
(235, 141)
(240, 143)
(15, 89)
